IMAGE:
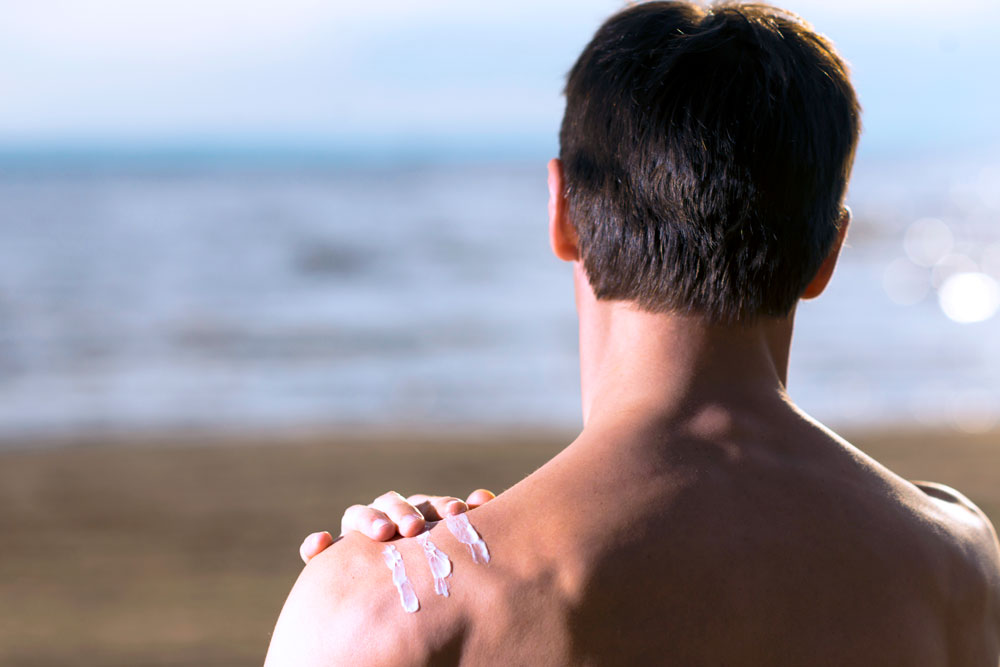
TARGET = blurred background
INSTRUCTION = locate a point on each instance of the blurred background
(257, 257)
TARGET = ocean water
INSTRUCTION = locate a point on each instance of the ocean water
(153, 296)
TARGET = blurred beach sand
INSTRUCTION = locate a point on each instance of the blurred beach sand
(181, 551)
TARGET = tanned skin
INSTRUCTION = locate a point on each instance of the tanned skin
(699, 518)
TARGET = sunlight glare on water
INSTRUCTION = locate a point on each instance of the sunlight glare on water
(950, 265)
(991, 260)
(927, 241)
(969, 297)
(973, 411)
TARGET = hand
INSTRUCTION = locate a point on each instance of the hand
(391, 513)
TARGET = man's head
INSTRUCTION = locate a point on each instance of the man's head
(705, 157)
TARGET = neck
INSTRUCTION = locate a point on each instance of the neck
(637, 365)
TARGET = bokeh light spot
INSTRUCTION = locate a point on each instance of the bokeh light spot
(969, 297)
(950, 265)
(991, 260)
(973, 411)
(927, 241)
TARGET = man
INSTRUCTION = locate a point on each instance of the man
(698, 195)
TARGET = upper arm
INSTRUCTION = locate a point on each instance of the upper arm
(309, 623)
(981, 551)
(334, 614)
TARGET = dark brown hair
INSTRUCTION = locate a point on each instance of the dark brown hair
(706, 154)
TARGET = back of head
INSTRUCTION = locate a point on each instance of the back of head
(706, 154)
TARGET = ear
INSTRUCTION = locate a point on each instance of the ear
(825, 272)
(562, 235)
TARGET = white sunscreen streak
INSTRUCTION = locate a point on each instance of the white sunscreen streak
(463, 531)
(438, 561)
(407, 597)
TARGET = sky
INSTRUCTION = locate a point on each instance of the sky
(394, 75)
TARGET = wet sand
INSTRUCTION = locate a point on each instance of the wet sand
(180, 550)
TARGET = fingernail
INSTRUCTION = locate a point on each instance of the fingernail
(454, 507)
(310, 546)
(379, 525)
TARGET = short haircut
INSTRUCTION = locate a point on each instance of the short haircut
(706, 154)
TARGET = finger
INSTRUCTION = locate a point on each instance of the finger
(368, 521)
(422, 503)
(480, 497)
(408, 519)
(314, 545)
(448, 506)
(435, 508)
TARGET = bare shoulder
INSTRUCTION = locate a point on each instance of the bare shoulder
(963, 516)
(976, 564)
(344, 610)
